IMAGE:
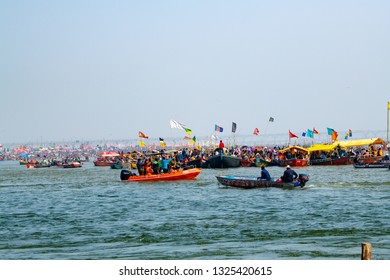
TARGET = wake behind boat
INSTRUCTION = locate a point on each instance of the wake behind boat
(127, 176)
(250, 182)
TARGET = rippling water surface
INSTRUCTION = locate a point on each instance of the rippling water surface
(87, 213)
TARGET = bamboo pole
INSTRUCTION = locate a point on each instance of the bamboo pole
(366, 251)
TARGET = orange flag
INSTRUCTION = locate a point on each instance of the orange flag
(334, 135)
(141, 135)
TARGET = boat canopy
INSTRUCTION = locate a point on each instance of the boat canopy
(109, 154)
(346, 144)
(323, 147)
(361, 142)
(294, 148)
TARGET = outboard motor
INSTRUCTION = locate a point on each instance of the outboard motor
(302, 179)
(125, 174)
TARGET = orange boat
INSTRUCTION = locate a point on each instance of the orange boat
(294, 156)
(127, 176)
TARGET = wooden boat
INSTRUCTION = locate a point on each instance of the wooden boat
(370, 159)
(260, 161)
(37, 165)
(117, 166)
(103, 162)
(224, 161)
(73, 164)
(294, 162)
(383, 164)
(248, 182)
(330, 161)
(294, 156)
(247, 163)
(127, 176)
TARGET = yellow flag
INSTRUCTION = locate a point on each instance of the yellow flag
(142, 144)
(388, 105)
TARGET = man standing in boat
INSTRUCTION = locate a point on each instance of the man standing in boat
(289, 175)
(221, 146)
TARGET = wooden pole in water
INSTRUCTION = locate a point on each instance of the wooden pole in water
(366, 251)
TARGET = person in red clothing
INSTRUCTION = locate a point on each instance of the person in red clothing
(221, 146)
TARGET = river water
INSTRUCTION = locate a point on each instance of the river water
(88, 213)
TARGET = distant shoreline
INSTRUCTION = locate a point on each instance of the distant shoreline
(229, 138)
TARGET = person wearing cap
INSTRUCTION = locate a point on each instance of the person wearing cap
(289, 175)
(265, 174)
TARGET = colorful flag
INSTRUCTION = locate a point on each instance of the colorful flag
(271, 119)
(256, 131)
(142, 144)
(193, 140)
(388, 105)
(330, 131)
(188, 131)
(291, 135)
(176, 124)
(234, 127)
(310, 133)
(304, 134)
(334, 135)
(187, 138)
(315, 131)
(218, 128)
(350, 132)
(162, 142)
(141, 135)
(346, 136)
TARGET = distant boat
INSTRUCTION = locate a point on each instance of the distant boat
(224, 161)
(117, 166)
(73, 164)
(260, 161)
(294, 156)
(383, 164)
(294, 162)
(103, 162)
(37, 165)
(331, 161)
(247, 163)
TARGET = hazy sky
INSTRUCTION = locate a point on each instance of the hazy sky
(107, 69)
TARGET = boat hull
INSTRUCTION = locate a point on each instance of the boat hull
(224, 161)
(372, 165)
(331, 161)
(173, 176)
(294, 162)
(72, 165)
(247, 182)
(103, 163)
(259, 162)
(116, 166)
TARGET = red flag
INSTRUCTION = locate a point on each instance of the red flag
(315, 131)
(292, 135)
(256, 131)
(141, 135)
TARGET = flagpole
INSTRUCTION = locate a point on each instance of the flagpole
(387, 139)
(388, 112)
